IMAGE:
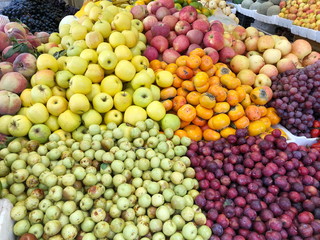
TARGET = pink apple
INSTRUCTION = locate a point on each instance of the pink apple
(202, 25)
(239, 47)
(226, 54)
(214, 39)
(160, 29)
(149, 36)
(4, 41)
(34, 41)
(162, 12)
(170, 20)
(148, 22)
(216, 26)
(160, 43)
(139, 11)
(228, 39)
(252, 43)
(176, 14)
(10, 103)
(195, 36)
(173, 10)
(182, 27)
(211, 52)
(188, 13)
(170, 55)
(42, 36)
(153, 6)
(171, 37)
(239, 32)
(7, 57)
(151, 53)
(311, 58)
(13, 82)
(192, 47)
(167, 3)
(5, 67)
(25, 63)
(181, 43)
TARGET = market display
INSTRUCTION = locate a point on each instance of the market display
(148, 121)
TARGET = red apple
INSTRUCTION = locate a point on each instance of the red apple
(171, 37)
(160, 43)
(149, 36)
(13, 82)
(226, 54)
(173, 10)
(192, 47)
(214, 39)
(181, 43)
(216, 26)
(182, 27)
(195, 36)
(211, 52)
(239, 32)
(153, 6)
(160, 28)
(139, 11)
(188, 13)
(148, 22)
(170, 55)
(170, 20)
(301, 48)
(239, 47)
(167, 3)
(151, 53)
(202, 25)
(176, 14)
(162, 12)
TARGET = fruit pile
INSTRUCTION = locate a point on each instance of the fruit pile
(254, 188)
(38, 15)
(304, 14)
(211, 101)
(315, 132)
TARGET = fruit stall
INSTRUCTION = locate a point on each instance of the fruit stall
(159, 120)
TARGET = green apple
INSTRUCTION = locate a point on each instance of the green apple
(136, 51)
(80, 43)
(19, 126)
(69, 121)
(91, 117)
(62, 62)
(78, 133)
(141, 79)
(125, 70)
(129, 90)
(95, 89)
(4, 123)
(39, 133)
(137, 24)
(95, 73)
(151, 74)
(103, 27)
(66, 41)
(164, 79)
(141, 45)
(140, 63)
(123, 53)
(113, 116)
(37, 113)
(108, 59)
(40, 93)
(64, 30)
(102, 102)
(76, 65)
(121, 22)
(133, 114)
(126, 129)
(57, 105)
(116, 39)
(122, 100)
(80, 84)
(63, 78)
(155, 90)
(111, 85)
(52, 51)
(90, 55)
(142, 38)
(93, 39)
(104, 46)
(45, 77)
(47, 61)
(170, 121)
(58, 91)
(131, 37)
(52, 123)
(79, 103)
(78, 31)
(142, 97)
(63, 135)
(74, 51)
(156, 111)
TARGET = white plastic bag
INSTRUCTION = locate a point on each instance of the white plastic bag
(6, 223)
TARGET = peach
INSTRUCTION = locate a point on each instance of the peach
(13, 82)
(247, 77)
(14, 25)
(8, 58)
(272, 56)
(301, 48)
(285, 64)
(269, 70)
(265, 42)
(4, 41)
(239, 63)
(5, 67)
(256, 62)
(311, 58)
(25, 63)
(42, 36)
(10, 103)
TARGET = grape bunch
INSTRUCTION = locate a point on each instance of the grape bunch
(296, 96)
(39, 15)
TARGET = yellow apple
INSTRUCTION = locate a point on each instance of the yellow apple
(64, 30)
(108, 59)
(80, 84)
(58, 91)
(126, 13)
(105, 4)
(87, 22)
(69, 93)
(141, 79)
(22, 111)
(103, 46)
(102, 102)
(142, 38)
(87, 7)
(37, 113)
(106, 16)
(140, 63)
(80, 43)
(57, 105)
(54, 50)
(62, 134)
(116, 39)
(152, 75)
(62, 62)
(47, 61)
(45, 77)
(4, 123)
(113, 116)
(91, 117)
(95, 12)
(63, 77)
(52, 123)
(69, 121)
(133, 114)
(141, 45)
(94, 91)
(40, 93)
(130, 37)
(164, 79)
(19, 126)
(78, 32)
(111, 85)
(90, 55)
(123, 53)
(74, 50)
(103, 27)
(137, 24)
(66, 41)
(155, 90)
(76, 65)
(95, 73)
(79, 103)
(122, 100)
(125, 70)
(93, 39)
(136, 51)
(112, 9)
(25, 97)
(156, 110)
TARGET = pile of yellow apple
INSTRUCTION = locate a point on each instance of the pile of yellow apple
(91, 72)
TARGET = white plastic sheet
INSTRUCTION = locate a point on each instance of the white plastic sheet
(6, 223)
